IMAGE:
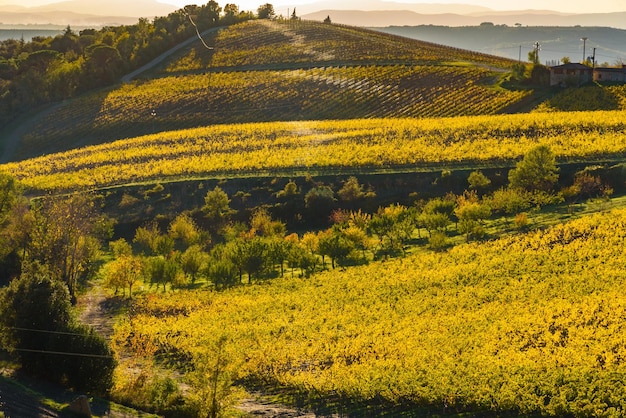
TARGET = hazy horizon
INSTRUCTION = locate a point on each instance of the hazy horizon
(563, 6)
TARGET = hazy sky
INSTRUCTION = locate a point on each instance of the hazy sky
(567, 6)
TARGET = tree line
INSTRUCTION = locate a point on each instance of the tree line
(48, 69)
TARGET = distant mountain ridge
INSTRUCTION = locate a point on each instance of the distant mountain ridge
(84, 12)
(511, 42)
(384, 18)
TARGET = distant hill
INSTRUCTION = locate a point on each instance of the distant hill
(411, 18)
(505, 41)
(84, 13)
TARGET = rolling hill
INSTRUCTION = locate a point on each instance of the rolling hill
(282, 70)
(527, 320)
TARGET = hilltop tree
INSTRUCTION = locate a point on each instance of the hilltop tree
(266, 11)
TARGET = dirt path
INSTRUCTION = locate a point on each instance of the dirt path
(97, 310)
(128, 77)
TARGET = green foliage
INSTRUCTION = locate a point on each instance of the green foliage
(66, 236)
(351, 190)
(266, 11)
(320, 201)
(537, 171)
(217, 206)
(37, 327)
(478, 181)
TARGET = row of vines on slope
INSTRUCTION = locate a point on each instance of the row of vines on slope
(262, 43)
(305, 146)
(255, 96)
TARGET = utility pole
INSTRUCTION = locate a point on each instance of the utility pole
(584, 39)
(593, 58)
(519, 60)
(537, 47)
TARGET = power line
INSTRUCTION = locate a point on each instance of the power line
(49, 331)
(62, 353)
(210, 48)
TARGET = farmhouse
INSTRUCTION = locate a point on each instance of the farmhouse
(611, 74)
(570, 74)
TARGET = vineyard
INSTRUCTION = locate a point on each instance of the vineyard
(263, 43)
(523, 325)
(305, 147)
(280, 71)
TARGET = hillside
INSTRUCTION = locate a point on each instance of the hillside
(277, 71)
(342, 220)
(331, 146)
(523, 326)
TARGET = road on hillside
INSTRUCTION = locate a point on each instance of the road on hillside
(129, 77)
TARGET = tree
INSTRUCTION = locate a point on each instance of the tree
(37, 327)
(294, 16)
(212, 380)
(537, 171)
(533, 56)
(217, 206)
(266, 11)
(471, 213)
(336, 246)
(478, 181)
(67, 235)
(327, 20)
(320, 201)
(230, 13)
(103, 64)
(262, 224)
(124, 272)
(184, 232)
(508, 201)
(351, 190)
(193, 260)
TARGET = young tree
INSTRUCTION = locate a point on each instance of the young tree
(351, 190)
(193, 260)
(336, 246)
(478, 181)
(217, 206)
(536, 172)
(184, 231)
(124, 272)
(67, 235)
